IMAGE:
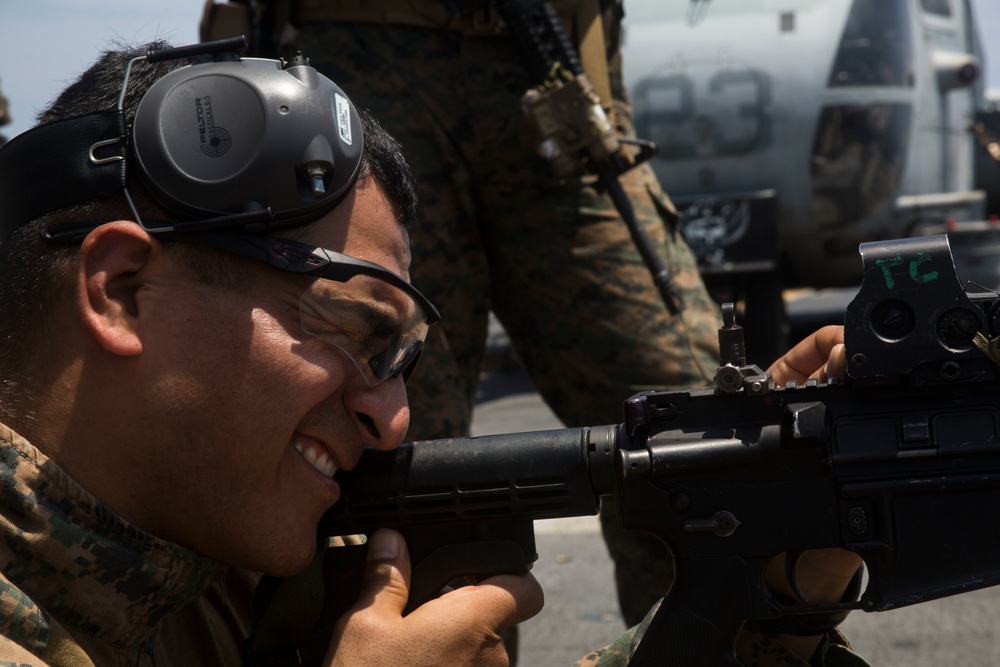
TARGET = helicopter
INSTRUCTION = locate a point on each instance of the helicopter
(791, 131)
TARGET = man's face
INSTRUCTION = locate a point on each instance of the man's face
(258, 415)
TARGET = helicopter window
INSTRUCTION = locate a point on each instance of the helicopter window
(857, 161)
(939, 7)
(875, 46)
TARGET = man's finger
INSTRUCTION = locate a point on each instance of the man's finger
(835, 365)
(808, 356)
(387, 573)
(501, 601)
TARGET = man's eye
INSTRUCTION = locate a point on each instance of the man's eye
(382, 329)
(363, 339)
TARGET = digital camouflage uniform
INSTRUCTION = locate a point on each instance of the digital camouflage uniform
(81, 587)
(552, 258)
(752, 648)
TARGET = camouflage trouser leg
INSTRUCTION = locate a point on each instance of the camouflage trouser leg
(551, 257)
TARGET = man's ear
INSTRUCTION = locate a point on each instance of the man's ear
(112, 259)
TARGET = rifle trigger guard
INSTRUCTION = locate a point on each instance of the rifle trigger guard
(792, 559)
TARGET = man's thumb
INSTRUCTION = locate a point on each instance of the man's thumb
(387, 573)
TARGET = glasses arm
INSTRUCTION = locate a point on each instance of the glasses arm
(308, 260)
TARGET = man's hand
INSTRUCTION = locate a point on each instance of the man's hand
(462, 627)
(823, 574)
(820, 355)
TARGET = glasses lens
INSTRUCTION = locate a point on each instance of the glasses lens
(379, 326)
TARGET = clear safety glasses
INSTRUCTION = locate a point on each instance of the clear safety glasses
(374, 316)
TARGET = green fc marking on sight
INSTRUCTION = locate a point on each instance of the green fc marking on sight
(887, 265)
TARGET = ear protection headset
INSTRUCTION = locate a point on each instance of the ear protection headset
(247, 144)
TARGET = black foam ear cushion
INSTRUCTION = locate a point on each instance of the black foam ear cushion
(233, 137)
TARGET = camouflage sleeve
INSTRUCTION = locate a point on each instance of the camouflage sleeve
(752, 648)
(619, 651)
(25, 628)
(13, 654)
(59, 649)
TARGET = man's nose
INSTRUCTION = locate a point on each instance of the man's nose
(380, 413)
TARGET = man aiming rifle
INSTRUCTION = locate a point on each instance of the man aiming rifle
(206, 316)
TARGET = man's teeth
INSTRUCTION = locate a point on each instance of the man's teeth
(323, 462)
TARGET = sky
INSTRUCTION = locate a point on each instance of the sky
(44, 44)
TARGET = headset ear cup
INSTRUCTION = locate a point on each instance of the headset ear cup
(235, 137)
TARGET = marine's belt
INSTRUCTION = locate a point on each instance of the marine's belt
(581, 18)
(433, 14)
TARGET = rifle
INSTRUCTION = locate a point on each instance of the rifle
(899, 463)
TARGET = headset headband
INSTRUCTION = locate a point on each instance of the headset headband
(238, 143)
